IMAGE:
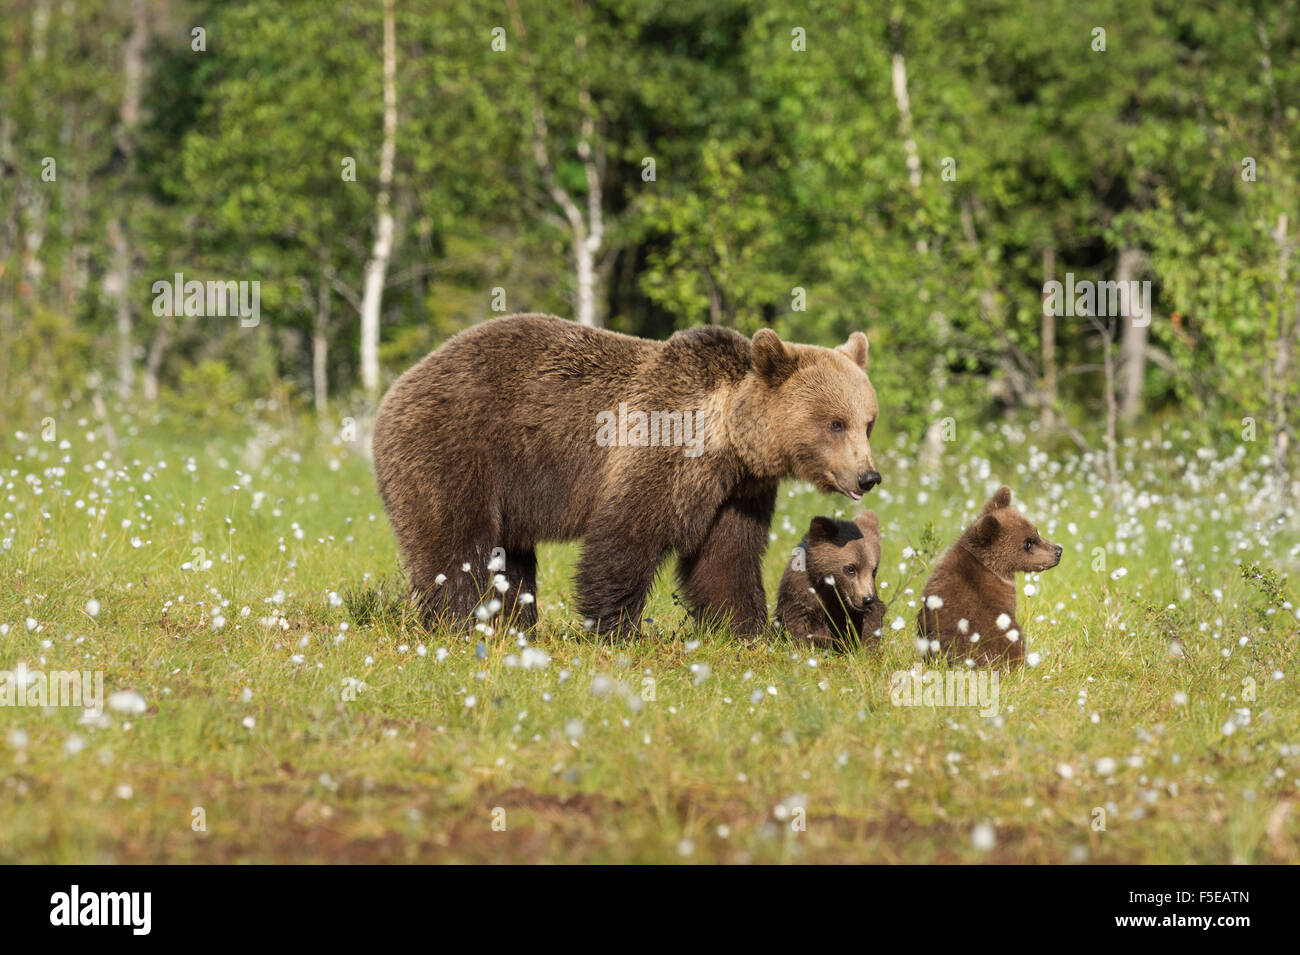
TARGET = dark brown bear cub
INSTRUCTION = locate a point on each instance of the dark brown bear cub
(530, 428)
(969, 603)
(828, 592)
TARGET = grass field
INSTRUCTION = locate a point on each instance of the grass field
(241, 598)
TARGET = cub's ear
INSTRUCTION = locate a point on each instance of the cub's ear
(999, 500)
(856, 348)
(821, 530)
(984, 531)
(868, 523)
(772, 360)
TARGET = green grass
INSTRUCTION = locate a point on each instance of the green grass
(749, 750)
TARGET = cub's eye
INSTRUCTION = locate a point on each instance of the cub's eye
(837, 426)
(850, 571)
(871, 427)
(1029, 543)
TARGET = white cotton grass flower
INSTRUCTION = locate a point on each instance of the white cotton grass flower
(500, 583)
(498, 562)
(1003, 621)
(440, 580)
(92, 607)
(963, 625)
(934, 602)
(126, 701)
(1105, 766)
(898, 624)
(531, 658)
(1180, 698)
(526, 598)
(1013, 635)
(465, 567)
(1033, 659)
(1030, 590)
(983, 837)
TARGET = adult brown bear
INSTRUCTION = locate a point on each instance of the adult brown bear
(531, 428)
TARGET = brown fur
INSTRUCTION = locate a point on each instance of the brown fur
(828, 592)
(489, 442)
(976, 580)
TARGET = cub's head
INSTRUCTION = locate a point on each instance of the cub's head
(843, 556)
(1006, 542)
(821, 410)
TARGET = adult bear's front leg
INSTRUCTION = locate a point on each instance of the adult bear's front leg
(722, 580)
(620, 555)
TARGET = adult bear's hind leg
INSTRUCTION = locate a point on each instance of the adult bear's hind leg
(446, 594)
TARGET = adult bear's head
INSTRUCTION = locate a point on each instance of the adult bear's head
(819, 409)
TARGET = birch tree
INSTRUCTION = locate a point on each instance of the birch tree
(118, 280)
(584, 222)
(377, 267)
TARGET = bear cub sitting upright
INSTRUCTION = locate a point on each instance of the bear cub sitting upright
(828, 592)
(969, 603)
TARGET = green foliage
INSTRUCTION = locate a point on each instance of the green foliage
(209, 396)
(782, 195)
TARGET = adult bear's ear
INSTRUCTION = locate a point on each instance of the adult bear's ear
(984, 531)
(998, 501)
(868, 523)
(822, 529)
(772, 360)
(856, 348)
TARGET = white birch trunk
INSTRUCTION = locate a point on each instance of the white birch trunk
(1133, 341)
(377, 267)
(119, 280)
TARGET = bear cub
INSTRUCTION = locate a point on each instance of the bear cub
(828, 592)
(969, 602)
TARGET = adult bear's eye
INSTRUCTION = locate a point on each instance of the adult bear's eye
(837, 426)
(850, 571)
(1029, 543)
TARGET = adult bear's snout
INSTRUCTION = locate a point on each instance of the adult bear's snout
(867, 480)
